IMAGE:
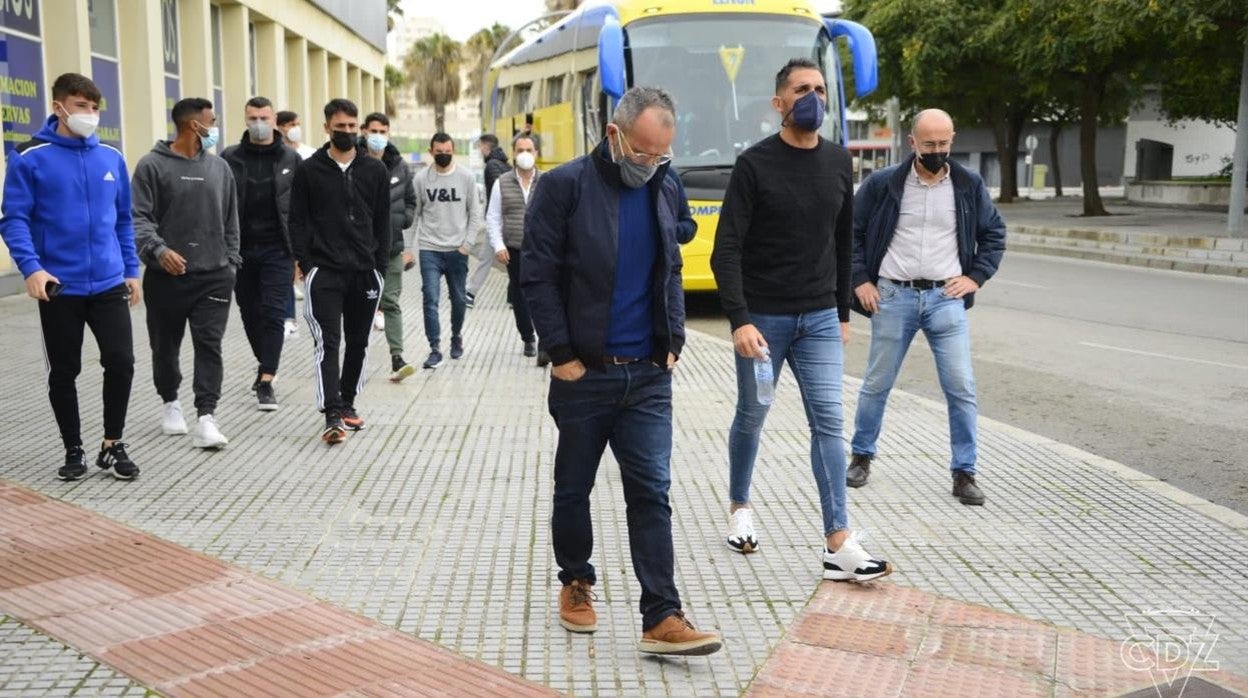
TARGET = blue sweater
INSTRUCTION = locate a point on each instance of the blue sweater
(631, 330)
(67, 212)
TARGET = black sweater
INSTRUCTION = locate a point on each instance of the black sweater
(785, 239)
(341, 220)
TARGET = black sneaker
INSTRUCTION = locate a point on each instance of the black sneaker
(859, 470)
(256, 384)
(116, 459)
(352, 419)
(434, 360)
(530, 349)
(457, 347)
(335, 432)
(543, 360)
(470, 300)
(75, 465)
(266, 399)
(965, 489)
(399, 369)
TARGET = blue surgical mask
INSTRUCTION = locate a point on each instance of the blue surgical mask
(807, 113)
(210, 141)
(377, 142)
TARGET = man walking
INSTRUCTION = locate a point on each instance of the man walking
(186, 225)
(782, 263)
(504, 223)
(340, 232)
(402, 214)
(448, 218)
(601, 273)
(926, 238)
(292, 133)
(264, 169)
(67, 226)
(495, 165)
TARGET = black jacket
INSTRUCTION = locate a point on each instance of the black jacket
(402, 198)
(341, 220)
(285, 162)
(571, 245)
(877, 206)
(495, 165)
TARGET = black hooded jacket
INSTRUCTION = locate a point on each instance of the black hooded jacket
(340, 219)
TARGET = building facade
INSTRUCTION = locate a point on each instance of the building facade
(147, 54)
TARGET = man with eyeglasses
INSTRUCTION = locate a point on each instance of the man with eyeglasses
(782, 263)
(600, 271)
(926, 238)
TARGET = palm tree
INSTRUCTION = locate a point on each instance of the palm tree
(562, 5)
(395, 80)
(393, 9)
(480, 48)
(432, 68)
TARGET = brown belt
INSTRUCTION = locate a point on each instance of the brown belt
(620, 360)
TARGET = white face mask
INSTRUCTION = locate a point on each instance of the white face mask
(295, 134)
(81, 125)
(526, 160)
(259, 130)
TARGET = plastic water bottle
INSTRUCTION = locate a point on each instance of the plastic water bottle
(764, 379)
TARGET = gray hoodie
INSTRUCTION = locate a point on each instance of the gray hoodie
(448, 213)
(187, 205)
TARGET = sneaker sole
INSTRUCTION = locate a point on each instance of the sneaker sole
(857, 483)
(456, 358)
(403, 373)
(174, 432)
(70, 478)
(574, 628)
(267, 408)
(680, 649)
(333, 438)
(833, 576)
(359, 427)
(432, 366)
(745, 549)
(971, 502)
(210, 445)
(123, 477)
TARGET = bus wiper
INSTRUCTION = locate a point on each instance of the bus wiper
(705, 168)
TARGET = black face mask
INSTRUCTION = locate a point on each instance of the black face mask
(443, 159)
(934, 162)
(342, 141)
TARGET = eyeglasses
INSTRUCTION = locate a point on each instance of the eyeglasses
(637, 157)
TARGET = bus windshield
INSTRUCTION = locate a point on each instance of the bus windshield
(721, 70)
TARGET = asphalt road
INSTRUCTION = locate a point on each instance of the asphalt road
(1142, 366)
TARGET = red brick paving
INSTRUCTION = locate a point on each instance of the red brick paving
(188, 625)
(881, 639)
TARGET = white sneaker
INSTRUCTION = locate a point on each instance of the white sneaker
(292, 329)
(852, 563)
(298, 292)
(207, 435)
(379, 322)
(171, 421)
(741, 536)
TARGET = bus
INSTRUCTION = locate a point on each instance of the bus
(718, 59)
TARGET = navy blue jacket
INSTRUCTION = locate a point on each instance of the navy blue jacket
(877, 206)
(67, 211)
(571, 244)
(686, 227)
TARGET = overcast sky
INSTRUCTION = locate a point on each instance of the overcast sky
(462, 18)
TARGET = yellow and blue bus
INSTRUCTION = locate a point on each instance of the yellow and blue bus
(718, 59)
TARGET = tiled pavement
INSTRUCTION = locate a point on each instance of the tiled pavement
(434, 519)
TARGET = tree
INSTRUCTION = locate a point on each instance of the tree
(1200, 76)
(479, 49)
(562, 5)
(395, 81)
(957, 56)
(432, 67)
(393, 9)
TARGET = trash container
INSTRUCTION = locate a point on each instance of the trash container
(1038, 175)
(1153, 160)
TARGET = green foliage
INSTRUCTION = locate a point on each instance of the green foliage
(479, 48)
(432, 67)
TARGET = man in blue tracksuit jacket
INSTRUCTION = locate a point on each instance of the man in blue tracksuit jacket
(67, 225)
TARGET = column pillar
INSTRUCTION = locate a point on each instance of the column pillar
(66, 38)
(236, 50)
(195, 41)
(296, 75)
(271, 61)
(143, 77)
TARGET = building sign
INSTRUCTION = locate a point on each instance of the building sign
(106, 76)
(20, 16)
(23, 105)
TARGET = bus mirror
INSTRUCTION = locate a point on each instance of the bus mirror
(861, 48)
(611, 57)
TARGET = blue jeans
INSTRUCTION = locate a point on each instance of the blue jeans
(902, 312)
(811, 343)
(630, 408)
(433, 266)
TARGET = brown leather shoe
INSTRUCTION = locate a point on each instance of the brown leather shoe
(859, 470)
(576, 607)
(965, 489)
(675, 635)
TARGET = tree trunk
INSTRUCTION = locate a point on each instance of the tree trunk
(1014, 124)
(439, 117)
(1001, 137)
(1055, 152)
(1089, 108)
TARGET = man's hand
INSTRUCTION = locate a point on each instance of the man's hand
(135, 290)
(503, 256)
(570, 372)
(465, 250)
(671, 361)
(173, 263)
(37, 284)
(845, 333)
(408, 260)
(749, 342)
(959, 286)
(868, 296)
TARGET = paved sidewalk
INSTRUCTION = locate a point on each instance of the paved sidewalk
(434, 520)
